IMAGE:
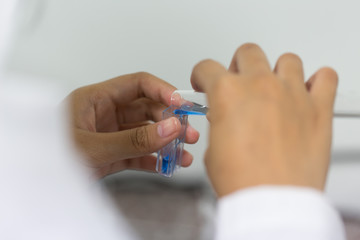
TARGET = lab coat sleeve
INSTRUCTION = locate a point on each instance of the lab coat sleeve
(275, 212)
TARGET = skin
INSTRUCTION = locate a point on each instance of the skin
(267, 126)
(117, 123)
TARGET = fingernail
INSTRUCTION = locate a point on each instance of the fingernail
(167, 127)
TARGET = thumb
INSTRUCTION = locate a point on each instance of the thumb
(150, 138)
(105, 148)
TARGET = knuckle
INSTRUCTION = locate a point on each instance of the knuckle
(206, 61)
(97, 95)
(290, 57)
(78, 91)
(140, 139)
(202, 64)
(246, 47)
(87, 94)
(200, 70)
(143, 76)
(329, 73)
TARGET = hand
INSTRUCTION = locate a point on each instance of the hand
(110, 123)
(267, 127)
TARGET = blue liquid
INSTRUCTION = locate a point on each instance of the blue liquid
(184, 112)
(165, 164)
(191, 109)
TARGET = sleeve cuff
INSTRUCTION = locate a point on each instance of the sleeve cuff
(278, 212)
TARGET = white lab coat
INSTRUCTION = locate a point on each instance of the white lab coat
(278, 212)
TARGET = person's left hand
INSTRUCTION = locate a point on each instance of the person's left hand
(110, 123)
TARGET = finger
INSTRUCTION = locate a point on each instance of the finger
(110, 147)
(186, 159)
(249, 59)
(289, 68)
(133, 86)
(191, 136)
(127, 126)
(143, 109)
(144, 163)
(149, 162)
(322, 87)
(115, 118)
(205, 74)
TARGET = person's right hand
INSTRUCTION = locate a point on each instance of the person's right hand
(267, 126)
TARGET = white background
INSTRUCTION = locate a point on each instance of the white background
(75, 43)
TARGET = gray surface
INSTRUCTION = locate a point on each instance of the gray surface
(160, 208)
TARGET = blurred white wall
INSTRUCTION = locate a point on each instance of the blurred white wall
(80, 42)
